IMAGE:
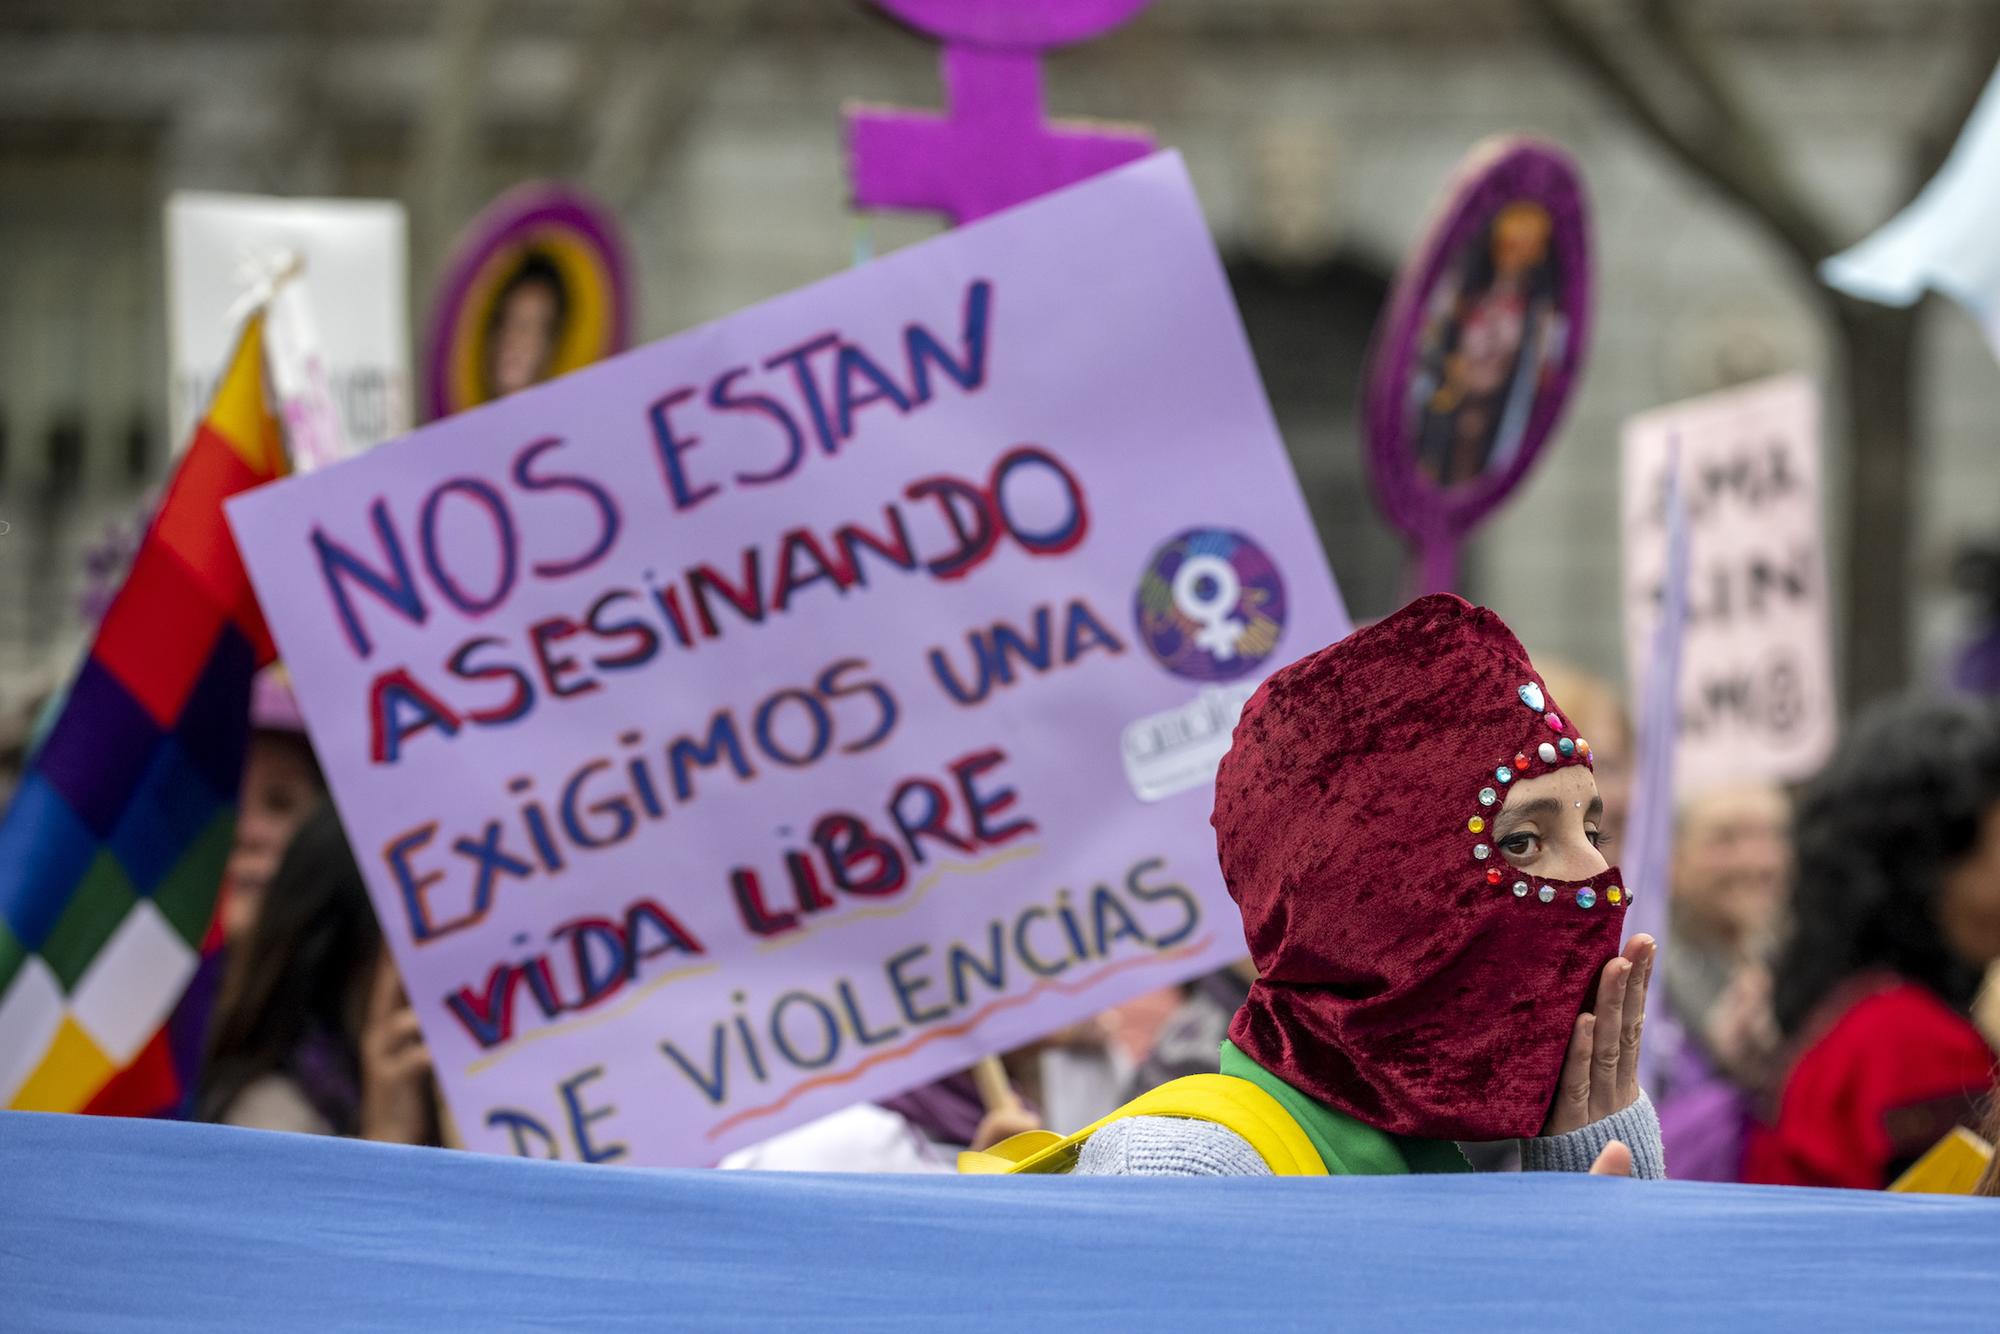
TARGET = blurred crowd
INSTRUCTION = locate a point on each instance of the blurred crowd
(1823, 1018)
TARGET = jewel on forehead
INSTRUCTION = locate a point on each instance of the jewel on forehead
(1531, 695)
(1554, 721)
(1547, 752)
(1566, 746)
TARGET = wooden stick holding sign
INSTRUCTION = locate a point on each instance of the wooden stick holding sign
(996, 1091)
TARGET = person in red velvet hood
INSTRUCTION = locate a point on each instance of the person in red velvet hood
(1410, 826)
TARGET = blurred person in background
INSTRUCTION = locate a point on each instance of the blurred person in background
(281, 785)
(1190, 1042)
(526, 327)
(312, 1033)
(921, 1130)
(1976, 572)
(1730, 862)
(1895, 915)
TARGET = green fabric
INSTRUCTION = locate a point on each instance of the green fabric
(1347, 1147)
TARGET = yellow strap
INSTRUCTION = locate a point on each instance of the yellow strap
(1236, 1104)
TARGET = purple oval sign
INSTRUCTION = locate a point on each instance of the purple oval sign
(1476, 355)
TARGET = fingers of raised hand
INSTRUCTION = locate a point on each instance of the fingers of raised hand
(1572, 1106)
(1640, 953)
(1615, 1161)
(1608, 1036)
(385, 990)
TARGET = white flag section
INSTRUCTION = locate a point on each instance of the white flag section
(314, 434)
(352, 292)
(1757, 697)
(1944, 239)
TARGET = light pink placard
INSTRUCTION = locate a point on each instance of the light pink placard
(774, 549)
(1756, 698)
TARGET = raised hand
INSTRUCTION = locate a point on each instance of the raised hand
(1600, 1073)
(397, 1106)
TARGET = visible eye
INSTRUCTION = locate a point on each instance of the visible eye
(1598, 838)
(1521, 845)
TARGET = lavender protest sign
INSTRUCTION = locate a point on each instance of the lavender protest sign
(797, 709)
(1756, 659)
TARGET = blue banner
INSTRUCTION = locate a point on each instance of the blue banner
(115, 1225)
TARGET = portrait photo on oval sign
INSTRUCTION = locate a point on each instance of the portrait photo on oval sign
(1482, 339)
(537, 286)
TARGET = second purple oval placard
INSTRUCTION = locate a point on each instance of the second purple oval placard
(1481, 344)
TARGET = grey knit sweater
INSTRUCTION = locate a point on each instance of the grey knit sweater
(1169, 1146)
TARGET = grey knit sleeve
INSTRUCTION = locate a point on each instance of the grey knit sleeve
(1168, 1146)
(1637, 1127)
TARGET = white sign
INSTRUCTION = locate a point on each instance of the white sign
(354, 282)
(1757, 698)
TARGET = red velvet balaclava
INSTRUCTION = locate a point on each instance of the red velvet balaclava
(1407, 974)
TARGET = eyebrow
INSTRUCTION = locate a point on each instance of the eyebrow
(1543, 808)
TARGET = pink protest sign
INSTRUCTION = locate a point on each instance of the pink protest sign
(1480, 348)
(992, 148)
(795, 710)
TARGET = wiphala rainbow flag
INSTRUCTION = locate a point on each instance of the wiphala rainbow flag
(113, 848)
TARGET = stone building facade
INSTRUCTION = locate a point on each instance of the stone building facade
(1319, 133)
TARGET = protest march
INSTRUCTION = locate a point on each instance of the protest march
(765, 621)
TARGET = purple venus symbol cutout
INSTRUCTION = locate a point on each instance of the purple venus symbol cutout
(991, 148)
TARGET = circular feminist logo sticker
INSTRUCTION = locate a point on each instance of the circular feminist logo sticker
(1211, 605)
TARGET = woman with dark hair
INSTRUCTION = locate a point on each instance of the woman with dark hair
(525, 326)
(1895, 916)
(1487, 345)
(313, 1033)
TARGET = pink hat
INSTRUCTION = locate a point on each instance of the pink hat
(273, 706)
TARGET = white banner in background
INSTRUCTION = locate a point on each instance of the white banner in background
(353, 292)
(1757, 698)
